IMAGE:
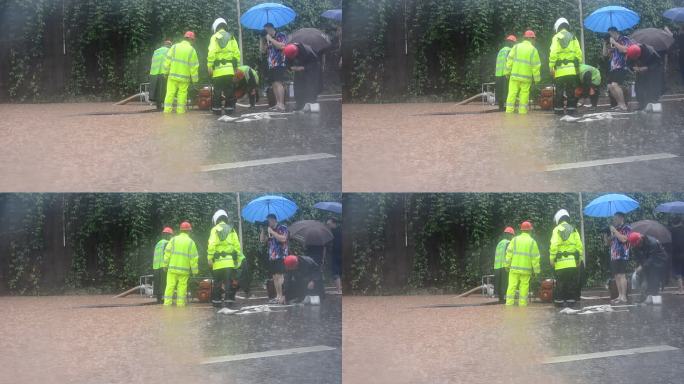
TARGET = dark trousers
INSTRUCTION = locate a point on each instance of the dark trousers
(297, 289)
(565, 86)
(653, 277)
(649, 86)
(223, 85)
(501, 283)
(567, 285)
(307, 85)
(158, 90)
(159, 284)
(501, 92)
(229, 278)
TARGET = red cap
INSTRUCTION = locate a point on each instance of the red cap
(526, 226)
(511, 38)
(189, 35)
(291, 51)
(634, 239)
(290, 262)
(168, 230)
(509, 230)
(633, 52)
(530, 34)
(239, 74)
(185, 226)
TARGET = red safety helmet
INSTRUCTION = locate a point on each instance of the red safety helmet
(509, 230)
(168, 230)
(190, 35)
(530, 34)
(634, 239)
(291, 51)
(185, 226)
(290, 262)
(526, 226)
(239, 74)
(511, 38)
(633, 52)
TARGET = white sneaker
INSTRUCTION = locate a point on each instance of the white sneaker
(657, 300)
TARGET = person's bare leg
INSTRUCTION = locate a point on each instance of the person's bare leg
(622, 286)
(278, 283)
(618, 95)
(681, 285)
(279, 92)
(338, 284)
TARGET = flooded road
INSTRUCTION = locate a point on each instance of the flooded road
(102, 147)
(444, 147)
(404, 339)
(92, 339)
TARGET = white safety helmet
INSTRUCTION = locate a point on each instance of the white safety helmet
(218, 214)
(218, 22)
(560, 21)
(560, 214)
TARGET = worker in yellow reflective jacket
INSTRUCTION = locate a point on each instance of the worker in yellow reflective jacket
(180, 261)
(223, 59)
(158, 264)
(500, 271)
(500, 73)
(565, 58)
(158, 76)
(523, 67)
(247, 83)
(181, 67)
(225, 258)
(522, 260)
(566, 253)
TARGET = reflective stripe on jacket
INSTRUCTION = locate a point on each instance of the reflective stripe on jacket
(223, 243)
(566, 248)
(523, 63)
(158, 57)
(565, 53)
(181, 63)
(500, 254)
(158, 260)
(501, 61)
(224, 54)
(180, 255)
(522, 255)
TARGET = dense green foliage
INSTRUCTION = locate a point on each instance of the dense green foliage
(106, 241)
(107, 44)
(448, 48)
(403, 242)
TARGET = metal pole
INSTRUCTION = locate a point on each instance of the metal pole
(239, 212)
(582, 228)
(581, 17)
(240, 43)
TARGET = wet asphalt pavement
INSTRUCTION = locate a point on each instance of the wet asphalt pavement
(398, 340)
(102, 147)
(70, 339)
(443, 147)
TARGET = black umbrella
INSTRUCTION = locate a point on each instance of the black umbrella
(316, 39)
(310, 232)
(653, 228)
(656, 38)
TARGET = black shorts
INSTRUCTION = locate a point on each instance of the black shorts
(278, 74)
(617, 76)
(276, 266)
(618, 266)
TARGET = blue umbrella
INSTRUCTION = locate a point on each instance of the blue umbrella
(611, 16)
(672, 207)
(675, 14)
(330, 206)
(259, 208)
(608, 205)
(259, 15)
(333, 14)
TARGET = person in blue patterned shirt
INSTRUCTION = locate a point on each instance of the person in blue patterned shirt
(619, 254)
(277, 236)
(272, 45)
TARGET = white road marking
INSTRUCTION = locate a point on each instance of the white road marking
(615, 160)
(600, 355)
(259, 355)
(271, 161)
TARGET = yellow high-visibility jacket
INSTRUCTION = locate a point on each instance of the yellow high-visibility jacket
(501, 58)
(158, 57)
(223, 245)
(500, 254)
(181, 63)
(180, 255)
(523, 63)
(595, 74)
(566, 245)
(522, 255)
(565, 53)
(224, 54)
(158, 260)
